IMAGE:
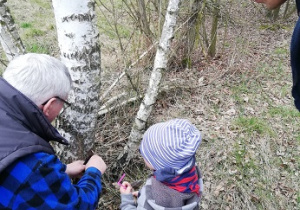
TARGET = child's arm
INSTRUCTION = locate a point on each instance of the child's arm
(271, 4)
(127, 200)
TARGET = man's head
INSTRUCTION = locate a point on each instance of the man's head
(170, 144)
(41, 78)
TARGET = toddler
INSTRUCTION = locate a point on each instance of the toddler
(168, 148)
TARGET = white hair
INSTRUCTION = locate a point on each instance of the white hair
(39, 77)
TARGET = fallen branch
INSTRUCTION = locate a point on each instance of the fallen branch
(113, 100)
(105, 109)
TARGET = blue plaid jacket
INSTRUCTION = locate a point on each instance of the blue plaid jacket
(39, 181)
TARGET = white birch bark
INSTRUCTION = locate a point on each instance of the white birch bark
(160, 64)
(9, 37)
(78, 40)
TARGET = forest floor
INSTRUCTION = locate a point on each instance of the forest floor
(240, 101)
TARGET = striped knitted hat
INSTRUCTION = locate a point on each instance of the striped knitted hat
(170, 144)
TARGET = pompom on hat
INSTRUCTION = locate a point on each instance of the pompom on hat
(170, 144)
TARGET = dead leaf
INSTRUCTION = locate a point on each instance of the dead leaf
(219, 188)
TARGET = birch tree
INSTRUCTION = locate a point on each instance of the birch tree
(78, 40)
(9, 36)
(160, 64)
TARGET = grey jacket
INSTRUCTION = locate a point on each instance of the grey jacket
(156, 196)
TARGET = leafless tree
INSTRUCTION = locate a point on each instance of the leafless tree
(160, 64)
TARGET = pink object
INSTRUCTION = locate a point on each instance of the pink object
(120, 180)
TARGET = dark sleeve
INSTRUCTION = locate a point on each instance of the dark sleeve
(295, 64)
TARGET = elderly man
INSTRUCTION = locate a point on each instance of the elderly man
(295, 49)
(33, 90)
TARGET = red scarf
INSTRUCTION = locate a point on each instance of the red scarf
(186, 182)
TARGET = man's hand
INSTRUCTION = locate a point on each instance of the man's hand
(97, 162)
(75, 169)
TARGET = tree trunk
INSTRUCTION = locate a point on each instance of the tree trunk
(80, 51)
(214, 29)
(9, 37)
(191, 34)
(187, 38)
(143, 19)
(160, 64)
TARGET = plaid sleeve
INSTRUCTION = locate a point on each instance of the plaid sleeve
(39, 181)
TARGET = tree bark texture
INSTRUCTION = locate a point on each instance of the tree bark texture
(9, 36)
(78, 40)
(160, 64)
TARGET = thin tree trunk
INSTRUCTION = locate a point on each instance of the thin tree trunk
(9, 37)
(188, 36)
(80, 50)
(143, 19)
(276, 13)
(191, 33)
(160, 64)
(214, 29)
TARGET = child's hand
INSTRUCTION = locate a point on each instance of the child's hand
(135, 194)
(125, 188)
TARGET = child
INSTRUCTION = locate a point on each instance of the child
(168, 148)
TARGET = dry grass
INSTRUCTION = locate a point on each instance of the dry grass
(240, 101)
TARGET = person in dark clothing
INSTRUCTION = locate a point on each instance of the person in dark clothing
(33, 90)
(294, 49)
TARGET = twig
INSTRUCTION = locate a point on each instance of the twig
(134, 63)
(105, 109)
(113, 100)
(124, 72)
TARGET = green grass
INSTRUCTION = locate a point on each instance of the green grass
(239, 152)
(264, 195)
(283, 112)
(298, 138)
(35, 32)
(281, 51)
(26, 25)
(275, 70)
(239, 91)
(43, 4)
(272, 27)
(243, 160)
(38, 48)
(252, 125)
